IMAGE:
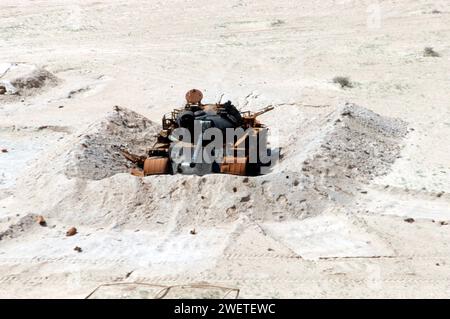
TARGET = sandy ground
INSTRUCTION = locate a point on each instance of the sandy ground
(144, 56)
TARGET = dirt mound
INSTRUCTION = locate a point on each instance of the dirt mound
(24, 79)
(93, 184)
(22, 225)
(96, 153)
(359, 146)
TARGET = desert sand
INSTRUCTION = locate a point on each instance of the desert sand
(357, 207)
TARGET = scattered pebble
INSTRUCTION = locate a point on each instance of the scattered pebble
(78, 249)
(41, 220)
(72, 231)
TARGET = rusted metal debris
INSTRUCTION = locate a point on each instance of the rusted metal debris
(194, 96)
(137, 172)
(136, 159)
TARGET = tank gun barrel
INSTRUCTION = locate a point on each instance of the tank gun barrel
(264, 110)
(254, 115)
(249, 118)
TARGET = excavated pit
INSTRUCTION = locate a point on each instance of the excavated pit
(87, 179)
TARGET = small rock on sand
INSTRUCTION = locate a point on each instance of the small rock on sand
(72, 231)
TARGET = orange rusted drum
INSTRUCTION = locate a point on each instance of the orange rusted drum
(234, 165)
(194, 96)
(156, 165)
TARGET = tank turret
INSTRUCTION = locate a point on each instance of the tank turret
(183, 146)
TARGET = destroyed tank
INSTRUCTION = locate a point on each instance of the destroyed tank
(202, 138)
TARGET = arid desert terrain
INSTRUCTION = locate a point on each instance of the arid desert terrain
(358, 206)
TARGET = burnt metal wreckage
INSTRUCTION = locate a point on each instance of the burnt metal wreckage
(244, 153)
